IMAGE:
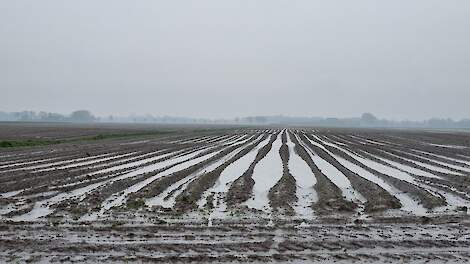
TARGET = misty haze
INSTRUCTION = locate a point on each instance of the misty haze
(234, 131)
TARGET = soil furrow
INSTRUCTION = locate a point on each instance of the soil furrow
(378, 199)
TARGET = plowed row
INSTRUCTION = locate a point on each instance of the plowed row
(362, 174)
(264, 179)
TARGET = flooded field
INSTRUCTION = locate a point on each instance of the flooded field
(294, 195)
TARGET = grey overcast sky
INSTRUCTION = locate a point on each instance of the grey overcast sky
(401, 59)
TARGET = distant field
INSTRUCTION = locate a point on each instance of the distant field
(194, 193)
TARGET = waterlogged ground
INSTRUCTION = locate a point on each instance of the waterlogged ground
(237, 195)
(260, 242)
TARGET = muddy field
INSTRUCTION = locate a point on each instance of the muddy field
(298, 195)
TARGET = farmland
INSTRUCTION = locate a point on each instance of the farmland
(175, 194)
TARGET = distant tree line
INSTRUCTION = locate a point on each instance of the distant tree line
(80, 116)
(366, 120)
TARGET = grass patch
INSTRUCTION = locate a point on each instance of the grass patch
(27, 143)
(45, 142)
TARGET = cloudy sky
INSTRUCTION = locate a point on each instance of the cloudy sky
(397, 59)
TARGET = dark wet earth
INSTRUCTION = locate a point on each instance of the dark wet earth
(444, 241)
